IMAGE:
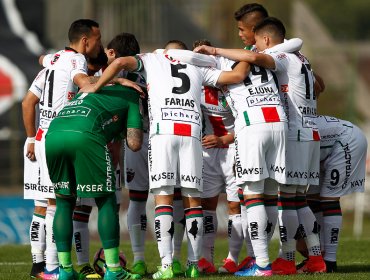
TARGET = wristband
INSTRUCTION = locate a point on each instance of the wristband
(30, 140)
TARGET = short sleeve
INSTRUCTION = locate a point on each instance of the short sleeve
(281, 61)
(134, 117)
(38, 83)
(210, 75)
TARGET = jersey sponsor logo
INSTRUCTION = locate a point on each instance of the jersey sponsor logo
(179, 114)
(190, 178)
(39, 188)
(61, 185)
(309, 122)
(75, 111)
(55, 58)
(281, 56)
(90, 188)
(179, 102)
(357, 183)
(109, 173)
(303, 175)
(263, 100)
(163, 176)
(277, 169)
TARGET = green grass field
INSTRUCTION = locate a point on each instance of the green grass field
(353, 260)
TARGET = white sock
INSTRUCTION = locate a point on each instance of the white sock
(81, 236)
(194, 232)
(210, 224)
(37, 238)
(179, 221)
(235, 234)
(257, 223)
(51, 253)
(164, 229)
(332, 224)
(137, 224)
(288, 226)
(311, 230)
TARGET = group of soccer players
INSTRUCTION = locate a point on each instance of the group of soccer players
(215, 120)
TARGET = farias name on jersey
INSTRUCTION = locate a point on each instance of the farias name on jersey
(171, 101)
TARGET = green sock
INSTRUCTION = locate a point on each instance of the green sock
(112, 258)
(65, 260)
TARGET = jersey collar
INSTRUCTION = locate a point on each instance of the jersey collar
(70, 49)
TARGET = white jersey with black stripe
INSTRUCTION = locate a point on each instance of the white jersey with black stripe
(58, 89)
(174, 90)
(256, 99)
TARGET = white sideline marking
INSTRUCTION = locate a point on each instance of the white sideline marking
(14, 263)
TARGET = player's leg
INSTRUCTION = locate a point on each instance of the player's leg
(209, 205)
(194, 229)
(37, 238)
(164, 229)
(137, 182)
(51, 249)
(179, 230)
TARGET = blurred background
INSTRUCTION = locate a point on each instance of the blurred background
(336, 37)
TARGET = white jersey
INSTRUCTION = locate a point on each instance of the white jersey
(217, 116)
(256, 100)
(59, 88)
(332, 130)
(174, 104)
(297, 88)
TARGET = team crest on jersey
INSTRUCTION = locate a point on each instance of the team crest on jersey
(55, 58)
(71, 95)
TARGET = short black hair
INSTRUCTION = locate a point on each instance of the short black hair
(178, 42)
(201, 42)
(124, 44)
(250, 8)
(79, 28)
(272, 25)
(100, 60)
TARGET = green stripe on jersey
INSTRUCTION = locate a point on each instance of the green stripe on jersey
(247, 122)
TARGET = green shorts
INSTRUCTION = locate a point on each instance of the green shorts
(79, 164)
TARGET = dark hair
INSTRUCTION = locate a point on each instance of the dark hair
(79, 28)
(124, 44)
(250, 8)
(272, 25)
(201, 42)
(100, 60)
(178, 42)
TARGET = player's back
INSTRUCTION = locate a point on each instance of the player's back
(174, 90)
(104, 114)
(61, 68)
(256, 99)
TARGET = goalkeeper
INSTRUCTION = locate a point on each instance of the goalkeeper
(80, 165)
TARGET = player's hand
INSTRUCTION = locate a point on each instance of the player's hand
(89, 88)
(205, 50)
(30, 153)
(131, 84)
(211, 141)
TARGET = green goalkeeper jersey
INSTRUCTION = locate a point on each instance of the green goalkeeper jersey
(105, 114)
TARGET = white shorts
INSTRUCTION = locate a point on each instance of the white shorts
(31, 177)
(219, 174)
(343, 172)
(44, 188)
(173, 157)
(260, 152)
(136, 166)
(303, 163)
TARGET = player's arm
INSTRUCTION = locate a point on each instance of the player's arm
(213, 141)
(260, 59)
(291, 45)
(29, 115)
(134, 139)
(129, 63)
(234, 76)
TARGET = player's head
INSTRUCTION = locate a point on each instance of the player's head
(247, 17)
(95, 64)
(123, 44)
(202, 42)
(84, 36)
(268, 33)
(175, 44)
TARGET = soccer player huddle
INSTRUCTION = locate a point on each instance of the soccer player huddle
(195, 124)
